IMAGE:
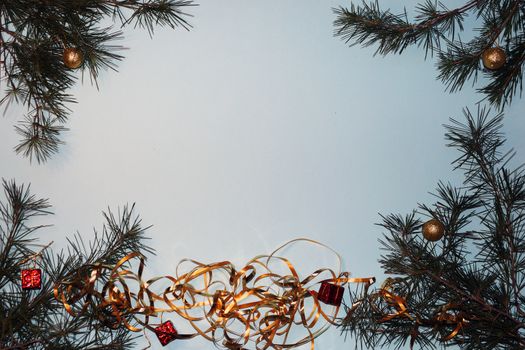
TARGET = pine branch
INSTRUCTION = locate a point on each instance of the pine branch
(35, 319)
(33, 37)
(468, 288)
(436, 29)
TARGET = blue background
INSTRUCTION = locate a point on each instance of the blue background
(255, 127)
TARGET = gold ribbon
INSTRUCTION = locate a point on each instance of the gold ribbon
(255, 303)
(399, 303)
(448, 317)
(394, 301)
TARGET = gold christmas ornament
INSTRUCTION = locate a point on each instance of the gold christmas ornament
(494, 58)
(433, 230)
(73, 57)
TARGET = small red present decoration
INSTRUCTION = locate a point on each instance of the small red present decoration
(166, 333)
(31, 279)
(330, 293)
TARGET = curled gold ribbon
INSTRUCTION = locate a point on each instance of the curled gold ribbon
(395, 302)
(253, 304)
(447, 314)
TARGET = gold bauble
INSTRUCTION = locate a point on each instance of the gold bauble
(433, 230)
(73, 57)
(494, 58)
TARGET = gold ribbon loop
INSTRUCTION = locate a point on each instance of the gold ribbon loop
(448, 315)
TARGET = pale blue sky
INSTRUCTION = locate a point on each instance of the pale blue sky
(255, 127)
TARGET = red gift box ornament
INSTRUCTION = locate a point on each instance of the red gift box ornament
(31, 279)
(330, 293)
(166, 333)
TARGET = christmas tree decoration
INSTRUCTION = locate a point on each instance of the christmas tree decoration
(43, 42)
(73, 57)
(330, 293)
(31, 279)
(437, 30)
(166, 333)
(466, 292)
(494, 58)
(433, 230)
(252, 304)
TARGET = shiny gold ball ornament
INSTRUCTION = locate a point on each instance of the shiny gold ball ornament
(494, 58)
(433, 230)
(73, 57)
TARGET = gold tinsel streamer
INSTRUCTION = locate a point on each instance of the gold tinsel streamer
(399, 308)
(255, 303)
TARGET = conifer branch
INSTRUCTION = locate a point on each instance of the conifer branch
(35, 319)
(468, 288)
(437, 29)
(33, 37)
